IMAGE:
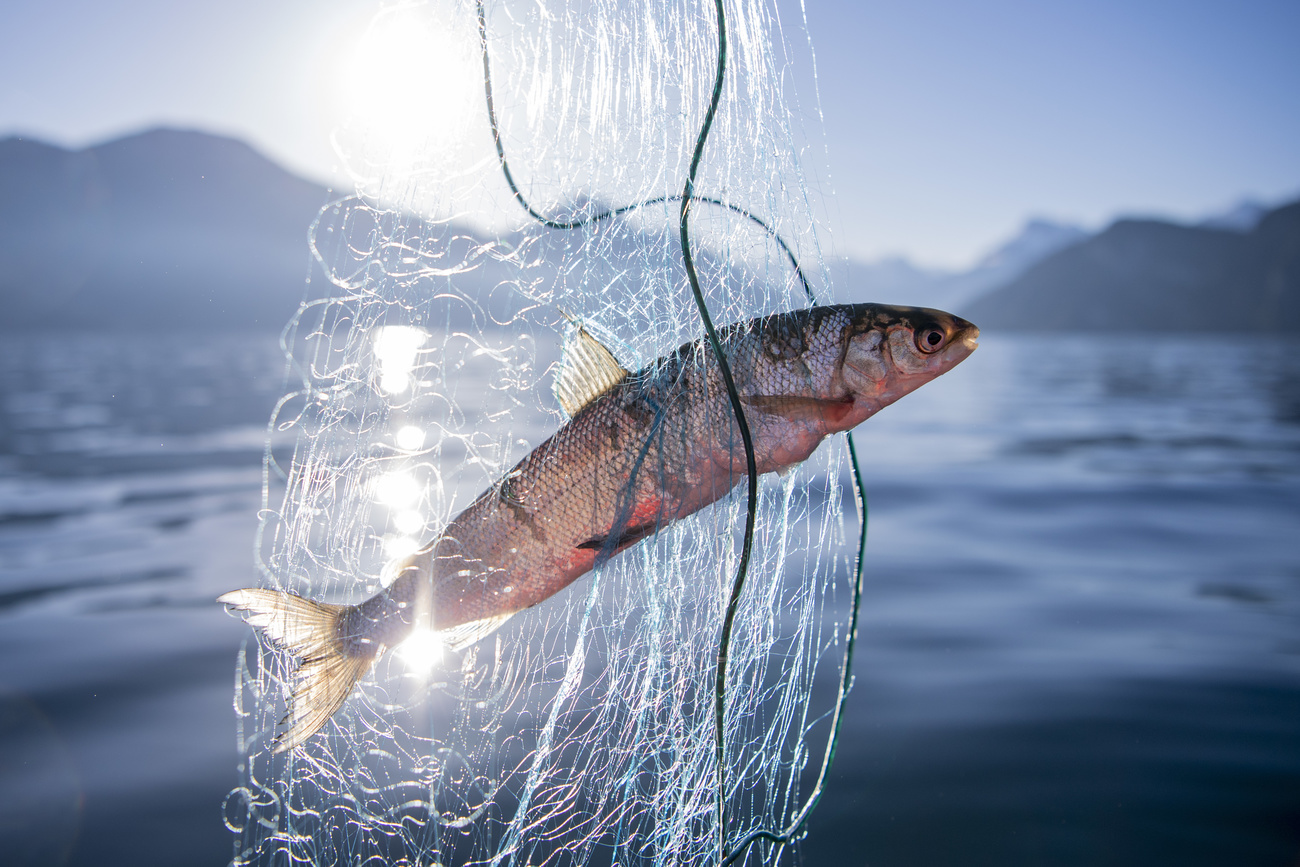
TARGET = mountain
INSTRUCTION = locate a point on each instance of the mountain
(1036, 241)
(1156, 276)
(892, 280)
(1244, 216)
(182, 230)
(164, 229)
(187, 231)
(898, 281)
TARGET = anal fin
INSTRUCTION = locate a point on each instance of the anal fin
(462, 636)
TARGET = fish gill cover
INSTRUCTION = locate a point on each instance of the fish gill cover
(633, 166)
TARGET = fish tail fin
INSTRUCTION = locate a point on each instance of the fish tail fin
(309, 631)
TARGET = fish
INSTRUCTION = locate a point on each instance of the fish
(640, 451)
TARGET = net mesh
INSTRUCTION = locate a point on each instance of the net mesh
(585, 730)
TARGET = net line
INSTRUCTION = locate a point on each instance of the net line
(687, 198)
(482, 765)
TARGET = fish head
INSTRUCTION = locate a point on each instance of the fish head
(893, 351)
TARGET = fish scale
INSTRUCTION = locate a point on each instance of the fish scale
(656, 446)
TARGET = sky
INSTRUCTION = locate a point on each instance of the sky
(947, 124)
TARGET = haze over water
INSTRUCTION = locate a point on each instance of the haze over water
(1079, 639)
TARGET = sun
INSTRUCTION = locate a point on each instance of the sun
(410, 81)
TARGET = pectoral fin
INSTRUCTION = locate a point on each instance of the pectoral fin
(801, 409)
(629, 537)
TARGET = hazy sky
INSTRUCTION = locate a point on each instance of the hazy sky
(947, 123)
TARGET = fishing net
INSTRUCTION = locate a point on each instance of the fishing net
(632, 166)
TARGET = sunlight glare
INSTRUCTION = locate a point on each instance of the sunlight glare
(411, 79)
(397, 490)
(410, 438)
(409, 522)
(400, 547)
(422, 651)
(396, 347)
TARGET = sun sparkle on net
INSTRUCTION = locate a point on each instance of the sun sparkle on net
(410, 438)
(582, 732)
(422, 651)
(396, 348)
(397, 490)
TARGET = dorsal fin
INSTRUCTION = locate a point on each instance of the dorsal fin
(587, 370)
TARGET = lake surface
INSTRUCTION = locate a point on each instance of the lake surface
(1080, 639)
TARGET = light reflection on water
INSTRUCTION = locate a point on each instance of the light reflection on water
(1081, 629)
(1080, 639)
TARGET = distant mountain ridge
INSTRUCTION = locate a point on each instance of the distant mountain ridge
(895, 280)
(163, 229)
(188, 231)
(1243, 216)
(184, 230)
(1156, 276)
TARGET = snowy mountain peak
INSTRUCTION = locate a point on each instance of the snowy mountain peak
(1242, 217)
(1038, 239)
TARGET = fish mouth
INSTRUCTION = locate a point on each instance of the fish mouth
(966, 333)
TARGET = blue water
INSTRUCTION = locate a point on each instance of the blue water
(1080, 640)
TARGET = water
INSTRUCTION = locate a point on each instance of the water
(1079, 641)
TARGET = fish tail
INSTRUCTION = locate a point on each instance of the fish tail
(309, 631)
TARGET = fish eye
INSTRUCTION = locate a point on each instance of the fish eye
(930, 339)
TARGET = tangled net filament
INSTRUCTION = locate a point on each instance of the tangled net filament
(681, 706)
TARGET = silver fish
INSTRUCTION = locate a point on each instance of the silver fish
(641, 451)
